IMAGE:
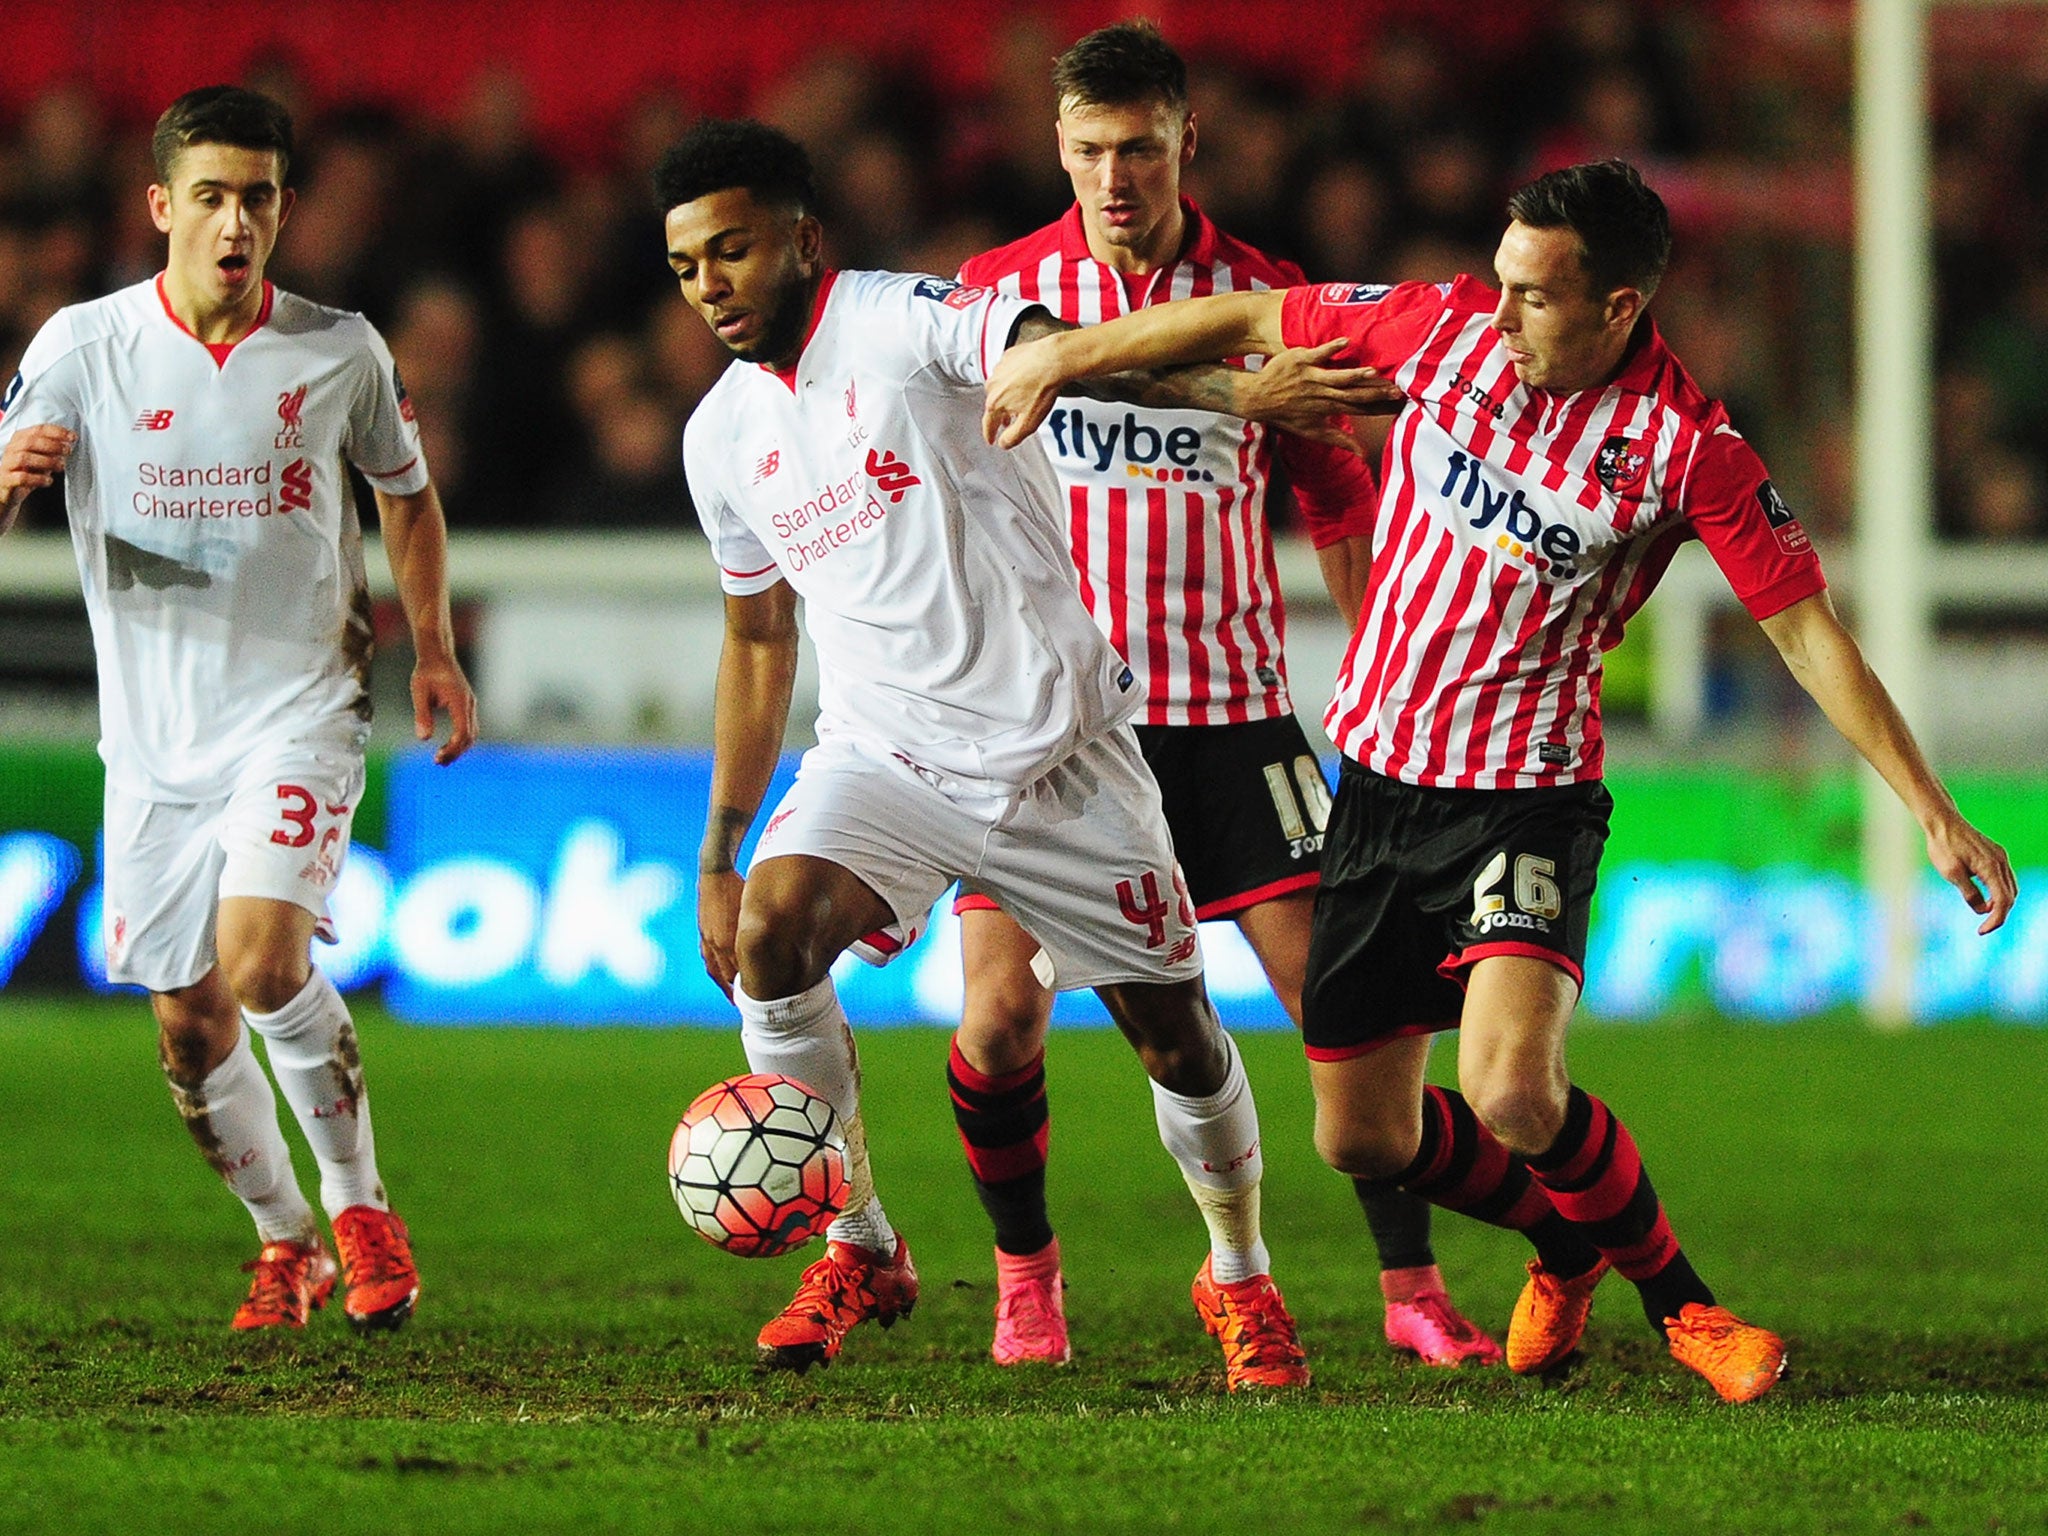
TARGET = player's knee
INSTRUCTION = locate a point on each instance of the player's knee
(1524, 1117)
(777, 953)
(264, 978)
(1000, 1033)
(1366, 1150)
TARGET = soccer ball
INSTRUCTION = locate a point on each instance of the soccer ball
(758, 1165)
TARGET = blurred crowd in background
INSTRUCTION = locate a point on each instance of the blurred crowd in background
(525, 294)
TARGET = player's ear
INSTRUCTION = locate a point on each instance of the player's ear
(1624, 306)
(286, 200)
(160, 207)
(1187, 141)
(810, 243)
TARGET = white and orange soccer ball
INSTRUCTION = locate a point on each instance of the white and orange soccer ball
(758, 1165)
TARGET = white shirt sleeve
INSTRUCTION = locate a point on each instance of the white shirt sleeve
(383, 438)
(744, 565)
(42, 392)
(961, 329)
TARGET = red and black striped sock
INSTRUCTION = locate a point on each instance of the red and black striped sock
(1597, 1181)
(1462, 1167)
(1004, 1125)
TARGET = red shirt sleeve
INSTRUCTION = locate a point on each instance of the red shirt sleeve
(1752, 535)
(1385, 325)
(1335, 492)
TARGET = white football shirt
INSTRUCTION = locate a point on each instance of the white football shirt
(215, 532)
(937, 583)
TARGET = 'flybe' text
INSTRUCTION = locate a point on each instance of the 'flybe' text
(1552, 548)
(1076, 437)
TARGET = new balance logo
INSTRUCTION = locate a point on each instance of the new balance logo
(891, 475)
(153, 421)
(295, 487)
(769, 464)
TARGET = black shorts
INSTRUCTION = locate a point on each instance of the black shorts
(1247, 805)
(1420, 883)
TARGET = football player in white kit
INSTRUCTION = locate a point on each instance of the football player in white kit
(971, 722)
(203, 422)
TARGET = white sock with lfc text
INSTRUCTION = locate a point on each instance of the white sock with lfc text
(311, 1042)
(232, 1114)
(806, 1037)
(1215, 1139)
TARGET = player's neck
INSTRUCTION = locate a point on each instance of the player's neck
(813, 296)
(215, 321)
(1161, 248)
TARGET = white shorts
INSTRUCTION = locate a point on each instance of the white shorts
(1081, 858)
(282, 833)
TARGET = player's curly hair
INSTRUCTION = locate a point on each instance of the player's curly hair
(719, 153)
(221, 114)
(1119, 65)
(1624, 232)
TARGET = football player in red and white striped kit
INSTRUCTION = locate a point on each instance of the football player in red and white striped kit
(1167, 516)
(1552, 456)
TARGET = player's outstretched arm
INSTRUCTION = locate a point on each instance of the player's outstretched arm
(1033, 372)
(756, 674)
(32, 459)
(416, 542)
(1829, 664)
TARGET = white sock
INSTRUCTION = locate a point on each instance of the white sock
(232, 1114)
(806, 1037)
(1215, 1139)
(311, 1042)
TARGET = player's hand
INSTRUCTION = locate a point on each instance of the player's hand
(718, 925)
(1974, 865)
(1299, 392)
(1021, 392)
(438, 685)
(33, 458)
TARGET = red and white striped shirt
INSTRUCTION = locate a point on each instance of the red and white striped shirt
(1167, 509)
(1519, 530)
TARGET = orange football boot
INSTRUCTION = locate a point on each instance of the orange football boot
(293, 1280)
(1550, 1318)
(1740, 1360)
(847, 1286)
(1250, 1320)
(376, 1255)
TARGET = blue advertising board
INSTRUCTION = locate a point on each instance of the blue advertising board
(558, 885)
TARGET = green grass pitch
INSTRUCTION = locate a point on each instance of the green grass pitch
(582, 1362)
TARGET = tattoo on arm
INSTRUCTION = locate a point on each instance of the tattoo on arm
(1191, 386)
(725, 828)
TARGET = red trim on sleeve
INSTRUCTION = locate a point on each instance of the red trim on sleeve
(1453, 967)
(749, 575)
(1306, 881)
(219, 349)
(974, 901)
(391, 474)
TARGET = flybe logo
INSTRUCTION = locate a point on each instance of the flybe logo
(1519, 530)
(1147, 452)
